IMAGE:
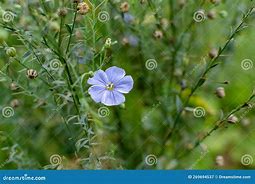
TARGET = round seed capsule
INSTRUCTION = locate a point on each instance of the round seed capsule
(11, 52)
(32, 74)
(220, 92)
(232, 119)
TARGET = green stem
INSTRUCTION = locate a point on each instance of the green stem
(202, 77)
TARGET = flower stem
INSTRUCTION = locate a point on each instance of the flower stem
(201, 79)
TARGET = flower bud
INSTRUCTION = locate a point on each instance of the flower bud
(15, 103)
(11, 52)
(245, 122)
(158, 34)
(211, 14)
(181, 3)
(62, 12)
(32, 74)
(83, 8)
(219, 161)
(124, 7)
(213, 53)
(14, 86)
(220, 92)
(232, 119)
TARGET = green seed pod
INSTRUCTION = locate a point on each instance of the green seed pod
(3, 35)
(223, 14)
(11, 52)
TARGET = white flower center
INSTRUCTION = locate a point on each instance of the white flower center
(110, 86)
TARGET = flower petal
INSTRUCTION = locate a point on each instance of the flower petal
(96, 93)
(114, 74)
(99, 78)
(111, 98)
(124, 85)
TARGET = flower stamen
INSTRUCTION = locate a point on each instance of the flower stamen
(110, 86)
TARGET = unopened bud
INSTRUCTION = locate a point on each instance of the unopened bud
(14, 86)
(219, 161)
(158, 34)
(220, 92)
(211, 14)
(232, 119)
(213, 53)
(32, 74)
(15, 103)
(11, 52)
(62, 12)
(124, 7)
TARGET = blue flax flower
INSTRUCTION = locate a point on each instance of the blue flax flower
(108, 87)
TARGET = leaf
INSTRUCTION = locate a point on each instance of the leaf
(201, 82)
(214, 65)
(69, 29)
(27, 54)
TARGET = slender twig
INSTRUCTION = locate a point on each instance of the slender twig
(218, 125)
(202, 79)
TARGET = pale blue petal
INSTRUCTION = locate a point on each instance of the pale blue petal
(124, 85)
(96, 93)
(111, 98)
(99, 78)
(114, 74)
